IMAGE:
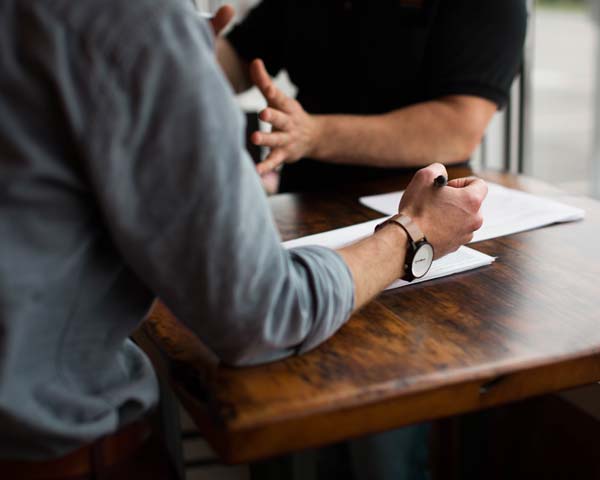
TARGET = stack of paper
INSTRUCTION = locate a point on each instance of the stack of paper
(337, 238)
(505, 211)
(460, 261)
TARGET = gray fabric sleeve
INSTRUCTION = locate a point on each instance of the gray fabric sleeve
(185, 207)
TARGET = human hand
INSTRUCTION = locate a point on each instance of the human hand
(449, 215)
(222, 18)
(294, 131)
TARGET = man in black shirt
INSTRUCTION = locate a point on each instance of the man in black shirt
(382, 83)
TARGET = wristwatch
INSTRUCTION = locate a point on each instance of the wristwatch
(419, 255)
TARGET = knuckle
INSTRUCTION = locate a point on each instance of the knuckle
(482, 183)
(454, 247)
(481, 190)
(424, 174)
(472, 201)
(477, 222)
(484, 188)
(288, 104)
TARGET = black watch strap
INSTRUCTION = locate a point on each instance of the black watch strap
(413, 231)
(416, 239)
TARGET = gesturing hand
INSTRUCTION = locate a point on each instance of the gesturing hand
(294, 131)
(448, 216)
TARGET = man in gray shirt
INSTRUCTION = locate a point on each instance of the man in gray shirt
(123, 177)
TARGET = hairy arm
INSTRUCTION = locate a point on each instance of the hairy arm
(444, 130)
(375, 262)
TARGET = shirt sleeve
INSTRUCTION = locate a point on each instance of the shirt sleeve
(262, 35)
(186, 209)
(477, 48)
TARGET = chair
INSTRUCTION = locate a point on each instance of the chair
(516, 128)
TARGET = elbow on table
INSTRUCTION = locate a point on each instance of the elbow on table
(465, 141)
(469, 141)
(236, 359)
(249, 355)
(288, 312)
(465, 125)
(245, 342)
(457, 146)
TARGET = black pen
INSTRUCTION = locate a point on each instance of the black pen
(440, 181)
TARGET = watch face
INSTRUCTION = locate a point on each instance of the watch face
(422, 260)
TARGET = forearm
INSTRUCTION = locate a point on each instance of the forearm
(235, 69)
(375, 262)
(436, 131)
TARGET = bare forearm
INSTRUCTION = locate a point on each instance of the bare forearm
(235, 69)
(436, 131)
(376, 262)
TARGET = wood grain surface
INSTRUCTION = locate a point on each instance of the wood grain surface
(526, 325)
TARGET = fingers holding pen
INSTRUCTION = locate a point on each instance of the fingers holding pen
(427, 175)
(474, 189)
(468, 182)
(448, 215)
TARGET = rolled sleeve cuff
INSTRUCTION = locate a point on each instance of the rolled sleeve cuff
(333, 291)
(496, 95)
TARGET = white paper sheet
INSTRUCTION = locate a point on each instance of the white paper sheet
(337, 238)
(462, 260)
(505, 211)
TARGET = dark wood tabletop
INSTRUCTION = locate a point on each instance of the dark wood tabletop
(526, 325)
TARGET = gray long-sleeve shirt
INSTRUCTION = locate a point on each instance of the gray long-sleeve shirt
(123, 177)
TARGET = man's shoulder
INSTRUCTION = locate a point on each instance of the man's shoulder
(515, 10)
(504, 20)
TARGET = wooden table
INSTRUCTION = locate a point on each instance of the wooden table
(526, 325)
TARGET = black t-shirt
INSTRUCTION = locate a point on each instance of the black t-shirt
(375, 56)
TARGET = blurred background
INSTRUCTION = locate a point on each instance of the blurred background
(563, 93)
(560, 101)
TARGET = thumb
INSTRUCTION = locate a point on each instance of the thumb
(259, 75)
(222, 18)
